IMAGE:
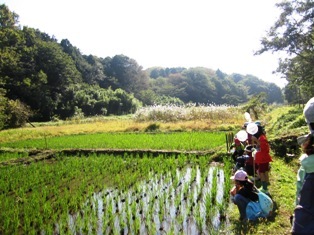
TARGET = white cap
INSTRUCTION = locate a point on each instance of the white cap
(252, 128)
(240, 175)
(308, 112)
(301, 139)
(242, 135)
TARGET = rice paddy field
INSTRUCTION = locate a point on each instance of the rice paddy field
(168, 141)
(110, 194)
(179, 190)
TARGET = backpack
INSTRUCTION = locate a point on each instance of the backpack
(254, 211)
(266, 203)
(260, 209)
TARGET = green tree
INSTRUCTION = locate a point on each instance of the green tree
(292, 94)
(199, 88)
(256, 105)
(274, 94)
(126, 74)
(154, 73)
(90, 67)
(8, 19)
(17, 114)
(3, 105)
(293, 33)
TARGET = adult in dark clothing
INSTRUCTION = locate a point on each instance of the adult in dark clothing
(303, 222)
(243, 192)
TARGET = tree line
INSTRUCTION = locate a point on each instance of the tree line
(43, 80)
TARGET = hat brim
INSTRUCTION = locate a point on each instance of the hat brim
(301, 139)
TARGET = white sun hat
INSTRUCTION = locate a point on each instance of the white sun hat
(242, 135)
(252, 128)
(308, 112)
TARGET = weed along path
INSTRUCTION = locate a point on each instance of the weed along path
(106, 191)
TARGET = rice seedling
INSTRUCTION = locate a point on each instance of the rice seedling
(188, 141)
(110, 194)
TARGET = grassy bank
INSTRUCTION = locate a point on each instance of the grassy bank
(282, 190)
(283, 172)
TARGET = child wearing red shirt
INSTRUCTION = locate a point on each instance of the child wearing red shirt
(262, 157)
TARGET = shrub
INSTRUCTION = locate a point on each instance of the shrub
(152, 127)
(17, 114)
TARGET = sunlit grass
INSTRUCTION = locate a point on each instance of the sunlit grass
(282, 189)
(200, 118)
(92, 133)
(164, 141)
(54, 191)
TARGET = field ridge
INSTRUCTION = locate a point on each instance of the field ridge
(40, 155)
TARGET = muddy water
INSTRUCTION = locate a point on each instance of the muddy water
(164, 204)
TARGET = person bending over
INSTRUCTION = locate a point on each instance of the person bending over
(243, 192)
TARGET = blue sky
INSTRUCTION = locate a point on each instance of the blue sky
(170, 33)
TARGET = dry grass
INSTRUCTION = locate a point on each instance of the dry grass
(112, 125)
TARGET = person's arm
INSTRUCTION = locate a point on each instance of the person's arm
(236, 188)
(300, 181)
(233, 191)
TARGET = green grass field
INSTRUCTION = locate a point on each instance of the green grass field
(33, 195)
(165, 141)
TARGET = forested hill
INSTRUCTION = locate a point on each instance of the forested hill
(42, 79)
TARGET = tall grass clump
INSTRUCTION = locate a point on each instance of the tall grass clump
(192, 111)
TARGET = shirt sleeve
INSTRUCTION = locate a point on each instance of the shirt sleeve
(300, 181)
(264, 146)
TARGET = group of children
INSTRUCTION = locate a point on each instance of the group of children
(251, 153)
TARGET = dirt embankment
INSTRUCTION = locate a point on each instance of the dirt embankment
(286, 147)
(40, 155)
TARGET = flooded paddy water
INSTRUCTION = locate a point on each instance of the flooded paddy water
(115, 194)
(186, 201)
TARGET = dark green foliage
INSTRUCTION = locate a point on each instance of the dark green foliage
(201, 85)
(149, 97)
(293, 34)
(256, 105)
(164, 72)
(286, 147)
(152, 127)
(291, 120)
(13, 113)
(52, 78)
(3, 105)
(126, 74)
(255, 86)
(56, 81)
(8, 19)
(17, 114)
(93, 100)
